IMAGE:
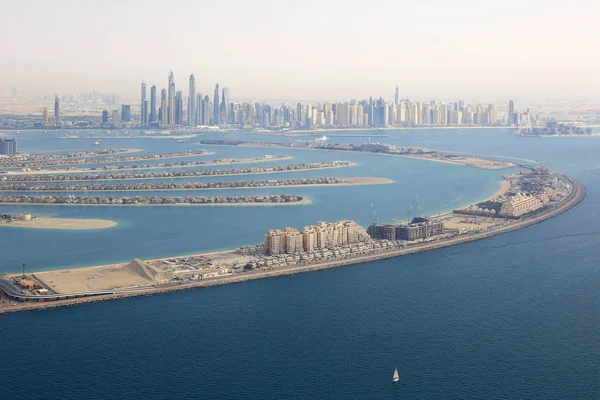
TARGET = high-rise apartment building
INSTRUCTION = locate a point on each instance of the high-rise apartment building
(153, 116)
(126, 113)
(104, 116)
(191, 111)
(179, 108)
(56, 110)
(216, 106)
(164, 108)
(225, 106)
(115, 118)
(511, 120)
(171, 106)
(144, 105)
(45, 119)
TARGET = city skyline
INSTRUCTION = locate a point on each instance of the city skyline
(307, 51)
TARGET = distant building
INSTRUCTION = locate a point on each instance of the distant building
(191, 111)
(115, 118)
(216, 107)
(152, 104)
(126, 113)
(144, 105)
(104, 116)
(171, 100)
(179, 108)
(163, 111)
(45, 119)
(8, 146)
(225, 106)
(56, 110)
(511, 120)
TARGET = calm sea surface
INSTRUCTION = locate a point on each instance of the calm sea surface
(512, 317)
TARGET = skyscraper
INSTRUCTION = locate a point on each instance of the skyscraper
(45, 117)
(163, 107)
(144, 105)
(216, 107)
(191, 119)
(511, 113)
(199, 108)
(152, 104)
(126, 113)
(104, 116)
(397, 96)
(225, 105)
(56, 110)
(171, 106)
(179, 108)
(115, 118)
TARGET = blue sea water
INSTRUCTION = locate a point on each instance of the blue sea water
(511, 317)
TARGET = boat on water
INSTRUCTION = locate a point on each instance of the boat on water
(96, 143)
(396, 377)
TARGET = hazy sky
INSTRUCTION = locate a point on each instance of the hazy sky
(305, 49)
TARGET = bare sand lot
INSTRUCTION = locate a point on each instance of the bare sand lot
(61, 223)
(91, 279)
(475, 162)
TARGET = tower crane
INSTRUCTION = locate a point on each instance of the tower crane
(374, 213)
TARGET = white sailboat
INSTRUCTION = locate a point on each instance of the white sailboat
(396, 377)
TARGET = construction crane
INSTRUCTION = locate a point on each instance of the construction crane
(374, 213)
(416, 201)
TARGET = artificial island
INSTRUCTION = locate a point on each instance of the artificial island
(526, 197)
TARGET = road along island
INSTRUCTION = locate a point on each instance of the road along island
(527, 198)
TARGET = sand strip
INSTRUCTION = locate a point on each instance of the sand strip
(61, 223)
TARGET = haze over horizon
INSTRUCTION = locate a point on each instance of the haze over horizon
(306, 50)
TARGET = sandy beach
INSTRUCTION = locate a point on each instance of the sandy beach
(61, 223)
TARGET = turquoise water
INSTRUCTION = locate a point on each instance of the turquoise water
(511, 317)
(150, 232)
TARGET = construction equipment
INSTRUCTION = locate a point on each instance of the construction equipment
(374, 214)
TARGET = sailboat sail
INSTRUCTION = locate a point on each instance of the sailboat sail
(396, 376)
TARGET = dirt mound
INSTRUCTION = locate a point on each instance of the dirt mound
(143, 270)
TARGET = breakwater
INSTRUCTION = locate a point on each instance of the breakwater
(175, 174)
(576, 195)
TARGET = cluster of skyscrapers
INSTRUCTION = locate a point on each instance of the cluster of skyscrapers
(169, 107)
(202, 110)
